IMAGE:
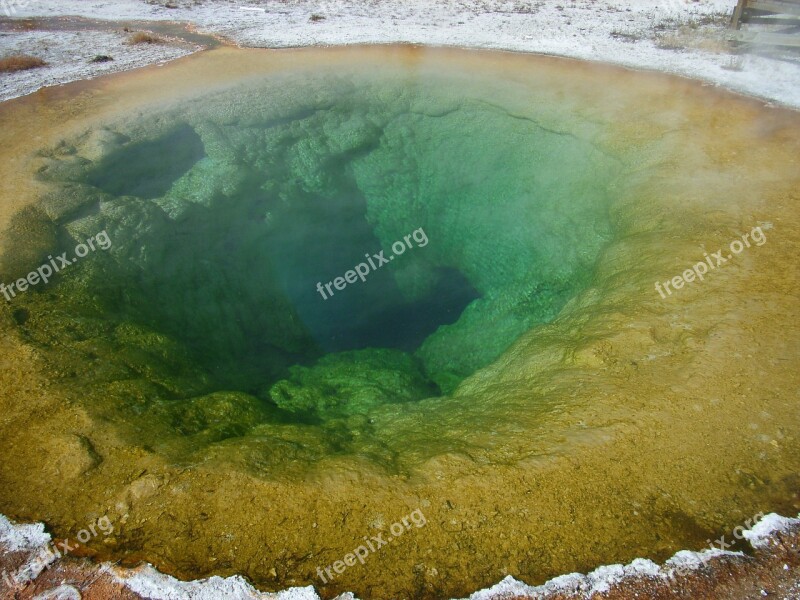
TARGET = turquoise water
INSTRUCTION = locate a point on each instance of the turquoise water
(443, 224)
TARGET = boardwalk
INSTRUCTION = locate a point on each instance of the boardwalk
(782, 16)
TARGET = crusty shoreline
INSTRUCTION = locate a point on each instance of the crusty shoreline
(773, 570)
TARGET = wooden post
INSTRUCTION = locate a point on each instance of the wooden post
(736, 19)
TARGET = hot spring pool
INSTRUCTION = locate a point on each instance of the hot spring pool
(282, 300)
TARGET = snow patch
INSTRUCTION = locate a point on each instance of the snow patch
(31, 539)
(687, 560)
(762, 534)
(507, 588)
(22, 538)
(69, 56)
(149, 583)
(62, 592)
(599, 581)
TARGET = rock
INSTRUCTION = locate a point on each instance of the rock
(348, 383)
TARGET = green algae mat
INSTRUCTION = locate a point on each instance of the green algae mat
(258, 306)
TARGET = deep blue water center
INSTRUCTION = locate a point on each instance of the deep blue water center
(320, 246)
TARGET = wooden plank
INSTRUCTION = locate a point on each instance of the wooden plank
(736, 19)
(765, 38)
(781, 7)
(772, 19)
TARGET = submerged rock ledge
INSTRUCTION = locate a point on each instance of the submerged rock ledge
(30, 569)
